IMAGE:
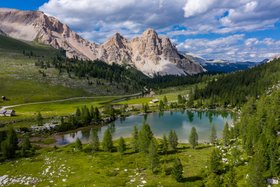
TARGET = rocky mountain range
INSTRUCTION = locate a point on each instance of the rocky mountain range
(223, 66)
(149, 53)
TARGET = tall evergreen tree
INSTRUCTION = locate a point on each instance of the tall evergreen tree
(78, 145)
(95, 141)
(164, 145)
(230, 178)
(165, 101)
(213, 136)
(193, 139)
(107, 142)
(135, 140)
(226, 134)
(215, 162)
(10, 145)
(258, 166)
(145, 137)
(177, 170)
(161, 106)
(39, 119)
(153, 156)
(122, 145)
(26, 146)
(173, 140)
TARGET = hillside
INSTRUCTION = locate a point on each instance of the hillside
(236, 88)
(23, 81)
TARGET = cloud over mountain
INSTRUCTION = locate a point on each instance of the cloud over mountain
(96, 20)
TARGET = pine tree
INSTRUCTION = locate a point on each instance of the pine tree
(165, 101)
(85, 116)
(153, 156)
(230, 179)
(213, 136)
(78, 112)
(215, 162)
(26, 146)
(135, 140)
(95, 141)
(257, 166)
(145, 108)
(78, 145)
(39, 119)
(190, 99)
(164, 145)
(145, 137)
(161, 106)
(107, 142)
(10, 145)
(177, 170)
(122, 146)
(173, 140)
(193, 139)
(226, 134)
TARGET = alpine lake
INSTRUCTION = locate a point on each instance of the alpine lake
(161, 123)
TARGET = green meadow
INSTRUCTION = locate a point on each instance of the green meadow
(66, 167)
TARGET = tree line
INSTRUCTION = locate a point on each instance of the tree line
(11, 147)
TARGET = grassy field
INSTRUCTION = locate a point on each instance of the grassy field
(66, 167)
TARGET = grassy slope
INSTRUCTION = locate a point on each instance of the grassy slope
(107, 169)
(8, 44)
(19, 78)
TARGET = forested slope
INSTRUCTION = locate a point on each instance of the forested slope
(236, 88)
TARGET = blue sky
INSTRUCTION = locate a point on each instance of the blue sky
(236, 30)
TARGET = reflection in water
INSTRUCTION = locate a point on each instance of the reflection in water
(161, 123)
(190, 116)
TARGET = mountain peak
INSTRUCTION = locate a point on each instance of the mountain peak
(148, 53)
(150, 32)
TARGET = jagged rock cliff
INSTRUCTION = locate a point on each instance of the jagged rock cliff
(148, 53)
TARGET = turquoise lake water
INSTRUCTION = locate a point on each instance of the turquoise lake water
(161, 123)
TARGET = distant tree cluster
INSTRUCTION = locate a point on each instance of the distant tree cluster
(83, 116)
(235, 89)
(123, 75)
(11, 147)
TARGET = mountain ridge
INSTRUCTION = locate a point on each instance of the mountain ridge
(149, 53)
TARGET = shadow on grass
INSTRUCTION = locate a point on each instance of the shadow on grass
(192, 179)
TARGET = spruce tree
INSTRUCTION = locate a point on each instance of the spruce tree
(135, 140)
(193, 139)
(78, 145)
(177, 170)
(173, 140)
(10, 144)
(107, 142)
(230, 178)
(215, 162)
(161, 106)
(153, 156)
(145, 137)
(122, 146)
(95, 141)
(78, 112)
(226, 134)
(165, 101)
(258, 166)
(164, 145)
(85, 116)
(39, 119)
(26, 146)
(213, 136)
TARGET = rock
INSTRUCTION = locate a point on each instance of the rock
(149, 53)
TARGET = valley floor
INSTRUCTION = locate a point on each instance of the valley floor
(66, 167)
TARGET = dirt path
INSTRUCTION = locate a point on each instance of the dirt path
(62, 100)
